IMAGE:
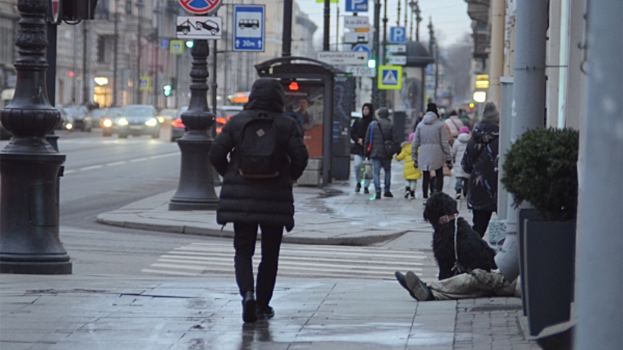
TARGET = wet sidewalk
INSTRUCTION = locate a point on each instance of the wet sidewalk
(117, 312)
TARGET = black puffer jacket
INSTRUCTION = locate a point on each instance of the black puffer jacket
(480, 161)
(266, 201)
(359, 128)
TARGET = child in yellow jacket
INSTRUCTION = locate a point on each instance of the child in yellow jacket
(410, 173)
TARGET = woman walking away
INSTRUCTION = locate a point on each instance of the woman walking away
(432, 141)
(410, 173)
(458, 149)
(480, 161)
(357, 134)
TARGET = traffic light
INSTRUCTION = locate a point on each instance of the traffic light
(167, 90)
(371, 63)
(294, 86)
(190, 44)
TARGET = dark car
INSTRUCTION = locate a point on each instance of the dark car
(107, 121)
(79, 119)
(178, 129)
(137, 120)
(209, 25)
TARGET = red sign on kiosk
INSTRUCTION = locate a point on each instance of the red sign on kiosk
(200, 7)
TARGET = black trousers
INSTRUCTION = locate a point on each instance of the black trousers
(436, 184)
(245, 236)
(481, 221)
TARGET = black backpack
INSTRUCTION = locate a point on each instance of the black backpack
(259, 154)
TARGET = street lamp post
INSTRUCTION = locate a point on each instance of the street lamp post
(139, 5)
(29, 165)
(415, 7)
(196, 187)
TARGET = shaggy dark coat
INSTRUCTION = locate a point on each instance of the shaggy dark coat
(480, 161)
(253, 201)
(473, 251)
(359, 128)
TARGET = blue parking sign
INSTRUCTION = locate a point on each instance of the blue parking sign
(356, 5)
(397, 35)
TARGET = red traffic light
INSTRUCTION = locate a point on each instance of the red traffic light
(71, 74)
(294, 86)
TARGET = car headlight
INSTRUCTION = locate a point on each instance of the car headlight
(122, 121)
(107, 123)
(152, 122)
(69, 126)
(160, 119)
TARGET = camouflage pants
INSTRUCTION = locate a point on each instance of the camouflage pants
(478, 283)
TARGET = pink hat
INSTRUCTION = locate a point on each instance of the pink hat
(464, 130)
(411, 136)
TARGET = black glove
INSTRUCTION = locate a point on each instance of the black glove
(415, 165)
(449, 164)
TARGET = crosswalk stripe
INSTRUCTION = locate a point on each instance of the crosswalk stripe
(204, 259)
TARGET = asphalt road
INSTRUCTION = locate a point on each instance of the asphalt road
(104, 174)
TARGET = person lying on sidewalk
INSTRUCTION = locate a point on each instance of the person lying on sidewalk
(476, 284)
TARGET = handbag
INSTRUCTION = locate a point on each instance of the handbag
(391, 148)
(366, 170)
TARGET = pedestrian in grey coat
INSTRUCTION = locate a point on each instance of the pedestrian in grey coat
(379, 131)
(430, 150)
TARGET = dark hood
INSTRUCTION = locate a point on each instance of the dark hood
(371, 114)
(485, 132)
(266, 94)
(383, 113)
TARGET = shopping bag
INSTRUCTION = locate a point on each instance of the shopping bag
(366, 170)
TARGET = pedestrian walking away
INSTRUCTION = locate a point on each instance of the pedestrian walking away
(379, 134)
(357, 134)
(481, 162)
(411, 173)
(259, 153)
(458, 149)
(430, 150)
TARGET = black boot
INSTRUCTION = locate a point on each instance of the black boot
(358, 188)
(248, 308)
(407, 192)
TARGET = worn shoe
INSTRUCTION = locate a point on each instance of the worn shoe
(419, 289)
(458, 195)
(358, 188)
(366, 190)
(407, 194)
(412, 194)
(401, 279)
(376, 196)
(264, 313)
(424, 201)
(248, 308)
(388, 194)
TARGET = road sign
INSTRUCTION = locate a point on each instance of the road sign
(343, 57)
(361, 71)
(200, 7)
(356, 22)
(356, 5)
(356, 37)
(164, 43)
(249, 28)
(144, 83)
(397, 60)
(199, 27)
(177, 47)
(396, 48)
(397, 35)
(390, 77)
(363, 48)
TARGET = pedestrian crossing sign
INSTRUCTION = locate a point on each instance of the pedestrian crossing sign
(390, 77)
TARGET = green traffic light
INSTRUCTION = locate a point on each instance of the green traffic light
(371, 63)
(167, 90)
(189, 44)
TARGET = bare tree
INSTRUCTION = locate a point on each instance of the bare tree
(457, 59)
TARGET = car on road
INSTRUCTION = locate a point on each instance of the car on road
(135, 120)
(178, 129)
(167, 113)
(96, 115)
(107, 121)
(78, 117)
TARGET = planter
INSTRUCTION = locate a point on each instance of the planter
(548, 268)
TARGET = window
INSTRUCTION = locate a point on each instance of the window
(101, 49)
(128, 7)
